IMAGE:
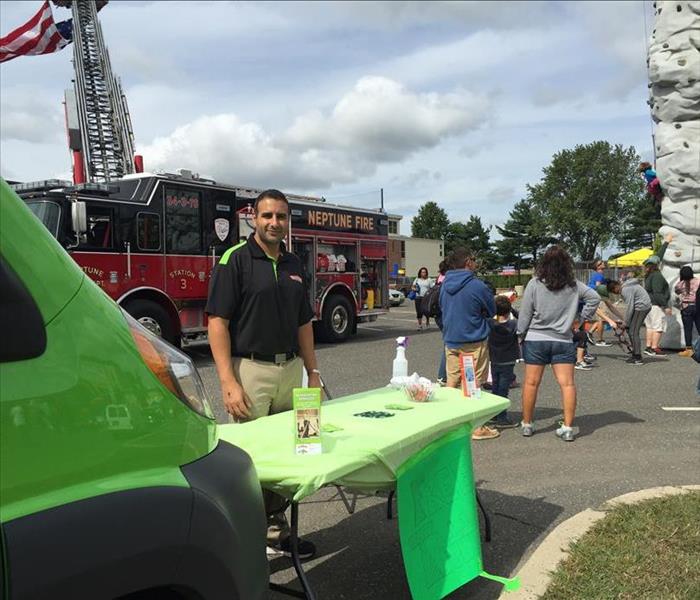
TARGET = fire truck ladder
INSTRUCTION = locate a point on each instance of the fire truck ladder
(106, 134)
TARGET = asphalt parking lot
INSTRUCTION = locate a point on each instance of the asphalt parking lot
(627, 440)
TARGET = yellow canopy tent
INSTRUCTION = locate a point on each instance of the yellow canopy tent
(632, 259)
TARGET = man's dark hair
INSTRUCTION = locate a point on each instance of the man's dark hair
(442, 267)
(459, 257)
(503, 306)
(613, 284)
(556, 269)
(272, 194)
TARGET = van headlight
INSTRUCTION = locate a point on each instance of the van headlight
(173, 368)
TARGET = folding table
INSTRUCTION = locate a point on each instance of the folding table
(364, 454)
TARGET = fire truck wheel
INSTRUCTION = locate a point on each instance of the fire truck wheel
(338, 319)
(153, 317)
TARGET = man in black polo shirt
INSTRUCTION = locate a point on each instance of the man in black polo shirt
(259, 313)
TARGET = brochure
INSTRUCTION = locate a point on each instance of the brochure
(307, 420)
(467, 365)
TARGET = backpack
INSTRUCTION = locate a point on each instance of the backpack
(430, 304)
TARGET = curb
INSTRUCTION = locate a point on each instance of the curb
(536, 573)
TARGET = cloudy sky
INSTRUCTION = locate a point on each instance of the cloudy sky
(462, 103)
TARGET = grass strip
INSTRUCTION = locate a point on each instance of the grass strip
(649, 550)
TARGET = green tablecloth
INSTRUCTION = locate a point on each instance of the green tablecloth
(366, 452)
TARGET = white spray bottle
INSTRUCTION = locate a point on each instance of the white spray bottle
(400, 367)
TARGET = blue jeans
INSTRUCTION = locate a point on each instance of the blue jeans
(501, 376)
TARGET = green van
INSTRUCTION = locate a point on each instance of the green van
(112, 481)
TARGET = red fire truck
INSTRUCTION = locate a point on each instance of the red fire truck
(151, 242)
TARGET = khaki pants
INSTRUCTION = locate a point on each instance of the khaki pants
(269, 387)
(480, 350)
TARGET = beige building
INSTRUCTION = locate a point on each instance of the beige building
(410, 254)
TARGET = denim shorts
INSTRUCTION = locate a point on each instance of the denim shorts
(549, 353)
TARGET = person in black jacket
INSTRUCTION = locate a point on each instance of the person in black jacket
(504, 352)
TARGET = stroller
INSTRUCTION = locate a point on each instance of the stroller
(623, 338)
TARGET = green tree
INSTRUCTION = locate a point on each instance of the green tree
(523, 235)
(431, 222)
(473, 236)
(584, 193)
(640, 225)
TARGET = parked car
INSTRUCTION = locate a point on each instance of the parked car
(112, 480)
(396, 297)
(403, 284)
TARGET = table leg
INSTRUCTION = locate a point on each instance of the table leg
(487, 521)
(389, 514)
(350, 505)
(308, 593)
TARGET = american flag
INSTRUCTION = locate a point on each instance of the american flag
(39, 35)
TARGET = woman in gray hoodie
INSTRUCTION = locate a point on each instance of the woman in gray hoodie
(638, 304)
(547, 314)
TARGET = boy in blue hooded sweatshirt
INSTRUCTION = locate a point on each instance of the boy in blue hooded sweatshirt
(468, 307)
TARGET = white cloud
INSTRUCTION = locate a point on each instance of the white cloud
(378, 121)
(27, 115)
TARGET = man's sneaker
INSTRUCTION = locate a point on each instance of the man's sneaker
(686, 352)
(284, 548)
(440, 382)
(502, 423)
(527, 429)
(649, 351)
(603, 344)
(589, 337)
(635, 360)
(484, 433)
(583, 366)
(565, 433)
(589, 358)
(487, 385)
(658, 352)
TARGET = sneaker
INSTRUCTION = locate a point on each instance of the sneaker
(649, 351)
(484, 433)
(565, 433)
(503, 423)
(686, 352)
(487, 385)
(635, 360)
(603, 344)
(589, 358)
(658, 352)
(527, 429)
(583, 366)
(440, 382)
(284, 548)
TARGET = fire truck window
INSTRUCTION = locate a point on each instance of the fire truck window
(182, 223)
(148, 231)
(100, 231)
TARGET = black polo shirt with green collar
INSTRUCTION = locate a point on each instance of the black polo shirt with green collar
(266, 301)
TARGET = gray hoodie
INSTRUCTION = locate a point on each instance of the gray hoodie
(635, 296)
(549, 315)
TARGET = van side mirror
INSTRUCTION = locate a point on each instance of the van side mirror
(79, 217)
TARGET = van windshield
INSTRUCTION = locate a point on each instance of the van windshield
(48, 213)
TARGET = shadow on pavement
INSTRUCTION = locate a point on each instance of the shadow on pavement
(359, 557)
(588, 424)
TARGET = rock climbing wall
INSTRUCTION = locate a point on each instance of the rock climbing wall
(674, 86)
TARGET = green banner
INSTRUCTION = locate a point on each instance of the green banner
(438, 521)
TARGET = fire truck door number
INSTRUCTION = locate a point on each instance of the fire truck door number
(183, 284)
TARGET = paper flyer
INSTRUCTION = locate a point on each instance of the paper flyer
(467, 365)
(307, 420)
